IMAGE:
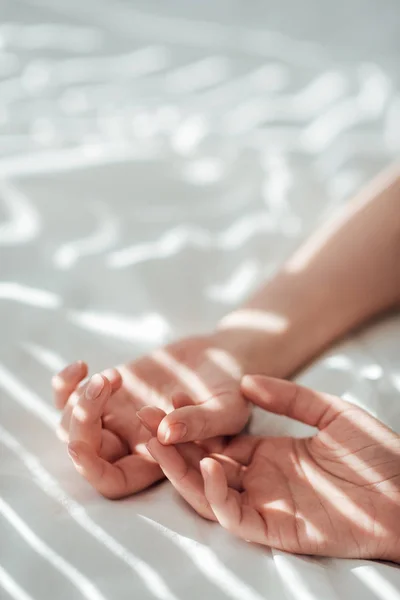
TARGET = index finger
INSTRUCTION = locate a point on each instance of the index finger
(66, 381)
(185, 478)
(227, 504)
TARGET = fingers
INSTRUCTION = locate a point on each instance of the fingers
(91, 445)
(227, 505)
(114, 377)
(86, 416)
(191, 454)
(127, 476)
(115, 380)
(112, 447)
(292, 400)
(151, 417)
(180, 399)
(234, 471)
(211, 445)
(122, 421)
(214, 445)
(212, 418)
(185, 478)
(65, 382)
(242, 448)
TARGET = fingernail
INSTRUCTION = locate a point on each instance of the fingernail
(73, 455)
(175, 433)
(95, 386)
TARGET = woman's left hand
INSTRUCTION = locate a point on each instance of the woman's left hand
(336, 493)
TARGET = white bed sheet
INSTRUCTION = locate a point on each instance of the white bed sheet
(157, 161)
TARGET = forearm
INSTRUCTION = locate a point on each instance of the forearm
(347, 272)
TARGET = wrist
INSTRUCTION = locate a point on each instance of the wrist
(279, 342)
(257, 341)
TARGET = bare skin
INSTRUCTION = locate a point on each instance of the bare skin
(156, 380)
(336, 493)
(346, 273)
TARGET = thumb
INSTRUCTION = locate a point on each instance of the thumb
(287, 398)
(215, 417)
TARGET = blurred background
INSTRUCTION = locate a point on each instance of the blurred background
(159, 159)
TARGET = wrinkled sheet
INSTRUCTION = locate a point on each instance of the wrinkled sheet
(157, 162)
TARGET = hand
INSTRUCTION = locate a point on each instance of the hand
(336, 493)
(128, 467)
(199, 366)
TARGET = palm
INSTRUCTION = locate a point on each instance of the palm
(316, 494)
(336, 493)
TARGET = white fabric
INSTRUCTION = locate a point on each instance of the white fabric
(157, 161)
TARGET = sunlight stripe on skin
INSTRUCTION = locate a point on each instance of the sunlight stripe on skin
(140, 389)
(28, 399)
(184, 374)
(345, 506)
(43, 479)
(258, 320)
(226, 362)
(12, 587)
(78, 580)
(208, 564)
